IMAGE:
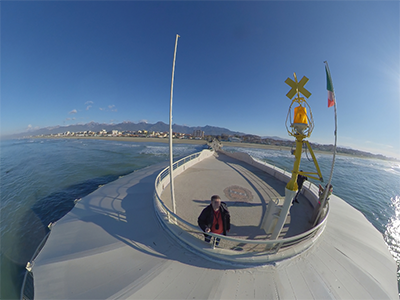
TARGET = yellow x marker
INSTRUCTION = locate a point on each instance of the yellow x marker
(297, 87)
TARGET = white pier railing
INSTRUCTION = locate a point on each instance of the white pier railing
(232, 249)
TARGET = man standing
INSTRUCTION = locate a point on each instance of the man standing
(215, 218)
(300, 181)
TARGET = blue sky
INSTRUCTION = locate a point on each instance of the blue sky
(74, 62)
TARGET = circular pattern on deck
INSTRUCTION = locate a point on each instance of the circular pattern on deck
(238, 193)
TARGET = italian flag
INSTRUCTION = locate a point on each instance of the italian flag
(329, 87)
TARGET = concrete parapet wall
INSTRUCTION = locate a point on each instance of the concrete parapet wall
(310, 191)
(268, 168)
(179, 167)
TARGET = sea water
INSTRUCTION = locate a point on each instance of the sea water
(41, 178)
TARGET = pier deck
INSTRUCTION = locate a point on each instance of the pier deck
(112, 246)
(245, 189)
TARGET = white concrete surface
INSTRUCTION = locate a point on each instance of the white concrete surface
(111, 246)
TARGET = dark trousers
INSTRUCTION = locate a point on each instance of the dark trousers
(207, 238)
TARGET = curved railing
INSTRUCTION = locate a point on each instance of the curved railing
(230, 248)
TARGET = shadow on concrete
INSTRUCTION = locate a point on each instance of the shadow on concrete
(139, 228)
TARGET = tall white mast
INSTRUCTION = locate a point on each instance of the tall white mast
(171, 160)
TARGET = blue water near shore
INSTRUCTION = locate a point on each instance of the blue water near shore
(41, 178)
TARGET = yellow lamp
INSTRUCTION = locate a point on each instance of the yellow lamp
(300, 115)
(300, 122)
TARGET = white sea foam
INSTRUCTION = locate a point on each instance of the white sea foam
(155, 150)
(394, 169)
(178, 150)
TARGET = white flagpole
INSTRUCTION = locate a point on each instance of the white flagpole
(326, 190)
(171, 159)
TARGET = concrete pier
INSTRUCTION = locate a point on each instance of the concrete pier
(112, 246)
(245, 189)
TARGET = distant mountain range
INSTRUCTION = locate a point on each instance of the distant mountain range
(126, 126)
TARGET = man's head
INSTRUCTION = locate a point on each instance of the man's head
(215, 202)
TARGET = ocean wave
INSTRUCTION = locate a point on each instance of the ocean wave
(178, 150)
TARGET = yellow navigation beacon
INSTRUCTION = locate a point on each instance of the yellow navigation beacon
(300, 127)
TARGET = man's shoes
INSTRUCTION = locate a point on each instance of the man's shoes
(295, 200)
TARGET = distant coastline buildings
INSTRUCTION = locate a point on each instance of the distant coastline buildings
(198, 134)
(117, 133)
